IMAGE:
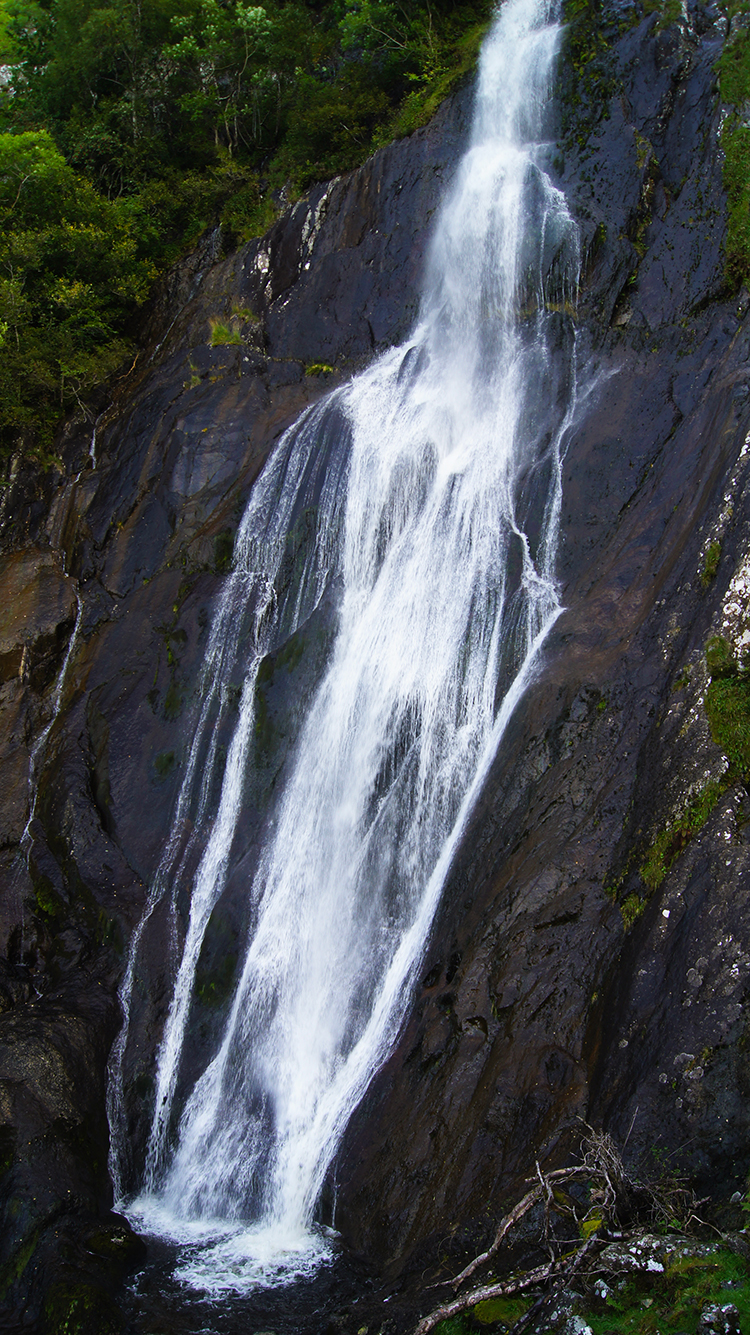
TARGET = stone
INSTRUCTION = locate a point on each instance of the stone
(719, 1319)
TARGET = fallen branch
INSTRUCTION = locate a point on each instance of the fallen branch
(517, 1213)
(523, 1321)
(506, 1224)
(611, 1193)
(502, 1290)
(562, 1271)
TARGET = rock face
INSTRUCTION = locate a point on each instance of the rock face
(556, 986)
(543, 1001)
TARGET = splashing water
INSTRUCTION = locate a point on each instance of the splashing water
(423, 500)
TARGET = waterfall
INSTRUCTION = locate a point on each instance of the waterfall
(421, 504)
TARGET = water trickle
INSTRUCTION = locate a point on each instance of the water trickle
(422, 502)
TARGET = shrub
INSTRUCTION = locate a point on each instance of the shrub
(222, 333)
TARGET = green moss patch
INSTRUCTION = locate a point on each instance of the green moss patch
(672, 1302)
(80, 1309)
(48, 902)
(710, 563)
(670, 842)
(631, 910)
(164, 764)
(728, 710)
(223, 551)
(733, 68)
(506, 1310)
(455, 1325)
(727, 705)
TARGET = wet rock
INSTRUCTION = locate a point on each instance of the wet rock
(585, 1010)
(651, 1254)
(719, 1319)
(37, 611)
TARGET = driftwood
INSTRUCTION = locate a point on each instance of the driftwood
(612, 1193)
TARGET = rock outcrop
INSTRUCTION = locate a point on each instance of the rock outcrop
(556, 985)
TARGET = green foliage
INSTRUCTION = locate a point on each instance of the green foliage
(48, 902)
(505, 1310)
(631, 910)
(455, 1325)
(727, 706)
(8, 47)
(318, 368)
(670, 842)
(710, 563)
(70, 275)
(128, 129)
(720, 659)
(672, 1302)
(222, 333)
(728, 710)
(734, 82)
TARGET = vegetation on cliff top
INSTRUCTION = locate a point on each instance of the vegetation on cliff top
(127, 127)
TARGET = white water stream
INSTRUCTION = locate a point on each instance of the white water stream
(423, 498)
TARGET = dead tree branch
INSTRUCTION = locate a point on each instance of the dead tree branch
(562, 1271)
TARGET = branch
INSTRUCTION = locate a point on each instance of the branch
(518, 1212)
(506, 1288)
(523, 1321)
(501, 1290)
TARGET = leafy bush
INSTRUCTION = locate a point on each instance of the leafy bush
(127, 130)
(70, 276)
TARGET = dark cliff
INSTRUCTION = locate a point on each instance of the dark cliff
(560, 983)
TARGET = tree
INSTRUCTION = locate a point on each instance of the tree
(70, 275)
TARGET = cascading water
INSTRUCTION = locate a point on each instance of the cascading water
(422, 500)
